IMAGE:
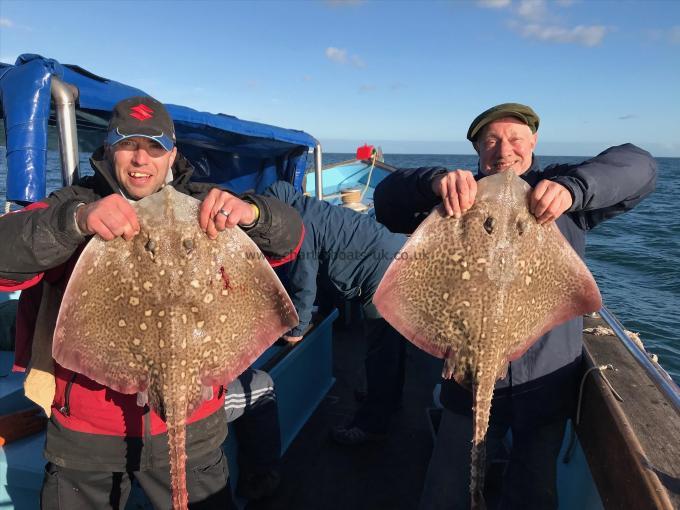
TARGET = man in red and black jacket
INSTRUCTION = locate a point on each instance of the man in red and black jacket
(99, 439)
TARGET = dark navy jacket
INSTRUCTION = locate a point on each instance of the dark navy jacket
(540, 385)
(351, 249)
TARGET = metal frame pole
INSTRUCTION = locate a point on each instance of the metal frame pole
(64, 97)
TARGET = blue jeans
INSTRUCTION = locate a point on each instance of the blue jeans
(530, 479)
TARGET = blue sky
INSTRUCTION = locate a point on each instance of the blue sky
(409, 76)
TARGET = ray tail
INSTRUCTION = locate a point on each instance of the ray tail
(482, 388)
(178, 458)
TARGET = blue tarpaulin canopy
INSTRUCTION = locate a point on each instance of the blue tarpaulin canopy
(238, 154)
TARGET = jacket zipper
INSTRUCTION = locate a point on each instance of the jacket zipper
(65, 409)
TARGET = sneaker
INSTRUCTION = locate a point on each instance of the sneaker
(258, 485)
(354, 436)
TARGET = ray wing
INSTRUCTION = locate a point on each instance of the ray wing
(98, 329)
(492, 278)
(552, 286)
(169, 295)
(423, 293)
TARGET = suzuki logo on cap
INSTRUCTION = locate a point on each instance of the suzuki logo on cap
(141, 112)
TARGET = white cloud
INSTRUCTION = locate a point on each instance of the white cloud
(674, 34)
(494, 4)
(585, 35)
(336, 55)
(535, 19)
(669, 35)
(8, 23)
(534, 10)
(340, 56)
(358, 62)
(8, 59)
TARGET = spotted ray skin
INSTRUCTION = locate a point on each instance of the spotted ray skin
(478, 291)
(169, 314)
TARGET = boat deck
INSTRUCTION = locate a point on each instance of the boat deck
(317, 473)
(632, 446)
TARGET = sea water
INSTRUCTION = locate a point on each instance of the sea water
(634, 257)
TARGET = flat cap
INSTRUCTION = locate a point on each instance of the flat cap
(520, 111)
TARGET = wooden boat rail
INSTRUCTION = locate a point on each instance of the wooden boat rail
(660, 377)
(632, 446)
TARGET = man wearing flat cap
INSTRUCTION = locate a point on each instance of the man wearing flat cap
(538, 394)
(99, 440)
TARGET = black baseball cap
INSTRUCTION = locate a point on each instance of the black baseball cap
(141, 116)
(519, 111)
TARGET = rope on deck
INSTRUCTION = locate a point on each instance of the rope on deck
(374, 157)
(572, 436)
(635, 337)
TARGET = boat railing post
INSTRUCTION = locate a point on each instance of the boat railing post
(64, 97)
(318, 179)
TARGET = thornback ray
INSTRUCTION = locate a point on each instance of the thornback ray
(169, 314)
(479, 290)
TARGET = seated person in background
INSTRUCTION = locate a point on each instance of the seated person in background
(250, 403)
(352, 251)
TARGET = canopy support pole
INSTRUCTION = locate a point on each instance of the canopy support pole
(64, 97)
(318, 182)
